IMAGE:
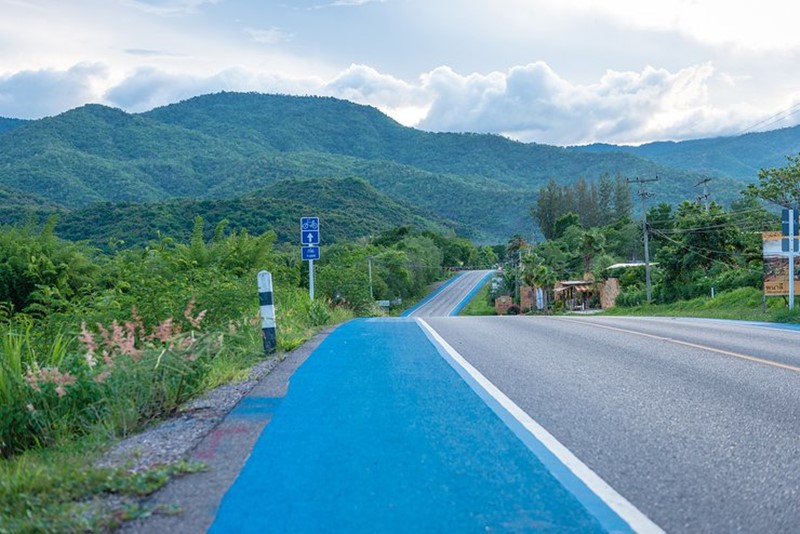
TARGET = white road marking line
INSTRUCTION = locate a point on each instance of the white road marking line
(528, 428)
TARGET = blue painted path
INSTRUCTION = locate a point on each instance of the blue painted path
(379, 434)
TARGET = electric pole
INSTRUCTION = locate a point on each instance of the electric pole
(705, 195)
(644, 194)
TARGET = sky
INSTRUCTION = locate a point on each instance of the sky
(559, 72)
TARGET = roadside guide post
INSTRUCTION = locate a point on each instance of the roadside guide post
(267, 309)
(309, 241)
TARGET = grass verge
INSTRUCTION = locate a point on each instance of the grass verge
(741, 304)
(479, 305)
(59, 490)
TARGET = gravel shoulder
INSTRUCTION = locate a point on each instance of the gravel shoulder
(217, 429)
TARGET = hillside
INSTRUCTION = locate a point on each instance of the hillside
(9, 124)
(349, 209)
(228, 145)
(739, 158)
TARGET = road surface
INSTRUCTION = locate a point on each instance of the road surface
(437, 423)
(451, 297)
(696, 422)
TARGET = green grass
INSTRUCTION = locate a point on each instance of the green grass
(59, 490)
(742, 304)
(479, 305)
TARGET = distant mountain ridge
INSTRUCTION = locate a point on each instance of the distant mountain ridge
(739, 157)
(227, 146)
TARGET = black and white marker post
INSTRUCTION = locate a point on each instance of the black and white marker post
(267, 308)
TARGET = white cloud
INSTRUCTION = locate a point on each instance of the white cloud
(750, 26)
(34, 94)
(168, 7)
(268, 36)
(533, 103)
(530, 102)
(148, 88)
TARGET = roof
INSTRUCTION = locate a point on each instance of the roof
(582, 286)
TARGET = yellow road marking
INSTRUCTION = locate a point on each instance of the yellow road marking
(693, 345)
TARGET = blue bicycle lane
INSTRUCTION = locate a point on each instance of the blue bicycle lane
(378, 433)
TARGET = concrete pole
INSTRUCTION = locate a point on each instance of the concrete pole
(267, 310)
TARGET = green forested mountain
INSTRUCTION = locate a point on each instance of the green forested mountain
(226, 146)
(738, 157)
(9, 124)
(349, 209)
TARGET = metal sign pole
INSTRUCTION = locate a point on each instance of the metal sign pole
(311, 279)
(792, 241)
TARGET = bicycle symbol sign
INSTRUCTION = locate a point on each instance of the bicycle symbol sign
(309, 223)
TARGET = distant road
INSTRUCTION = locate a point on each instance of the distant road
(446, 301)
(695, 422)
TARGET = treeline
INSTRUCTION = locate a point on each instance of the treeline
(106, 342)
(595, 204)
(695, 248)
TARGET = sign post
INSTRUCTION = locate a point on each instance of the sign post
(789, 231)
(309, 239)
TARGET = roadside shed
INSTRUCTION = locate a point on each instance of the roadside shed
(575, 293)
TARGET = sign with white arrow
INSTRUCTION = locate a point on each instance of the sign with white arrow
(309, 230)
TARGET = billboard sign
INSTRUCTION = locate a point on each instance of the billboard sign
(776, 266)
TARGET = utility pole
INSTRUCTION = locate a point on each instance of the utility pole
(705, 195)
(644, 194)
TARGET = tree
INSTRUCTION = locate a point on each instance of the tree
(564, 222)
(549, 206)
(592, 244)
(779, 185)
(623, 205)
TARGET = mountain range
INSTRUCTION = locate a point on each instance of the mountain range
(113, 175)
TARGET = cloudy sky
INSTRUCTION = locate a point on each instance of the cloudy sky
(561, 72)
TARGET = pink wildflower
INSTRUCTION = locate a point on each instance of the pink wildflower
(187, 313)
(50, 376)
(127, 342)
(102, 376)
(88, 339)
(137, 320)
(164, 331)
(32, 379)
(107, 340)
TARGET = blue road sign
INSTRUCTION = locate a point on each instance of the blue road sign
(785, 222)
(309, 223)
(310, 253)
(309, 237)
(309, 230)
(785, 244)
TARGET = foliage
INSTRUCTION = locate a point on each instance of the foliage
(779, 185)
(229, 145)
(591, 205)
(744, 303)
(481, 304)
(61, 490)
(350, 208)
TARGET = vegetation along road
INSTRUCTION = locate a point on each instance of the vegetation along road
(695, 422)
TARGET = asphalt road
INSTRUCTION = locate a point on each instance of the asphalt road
(695, 422)
(448, 299)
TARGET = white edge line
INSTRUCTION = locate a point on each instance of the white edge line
(616, 502)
